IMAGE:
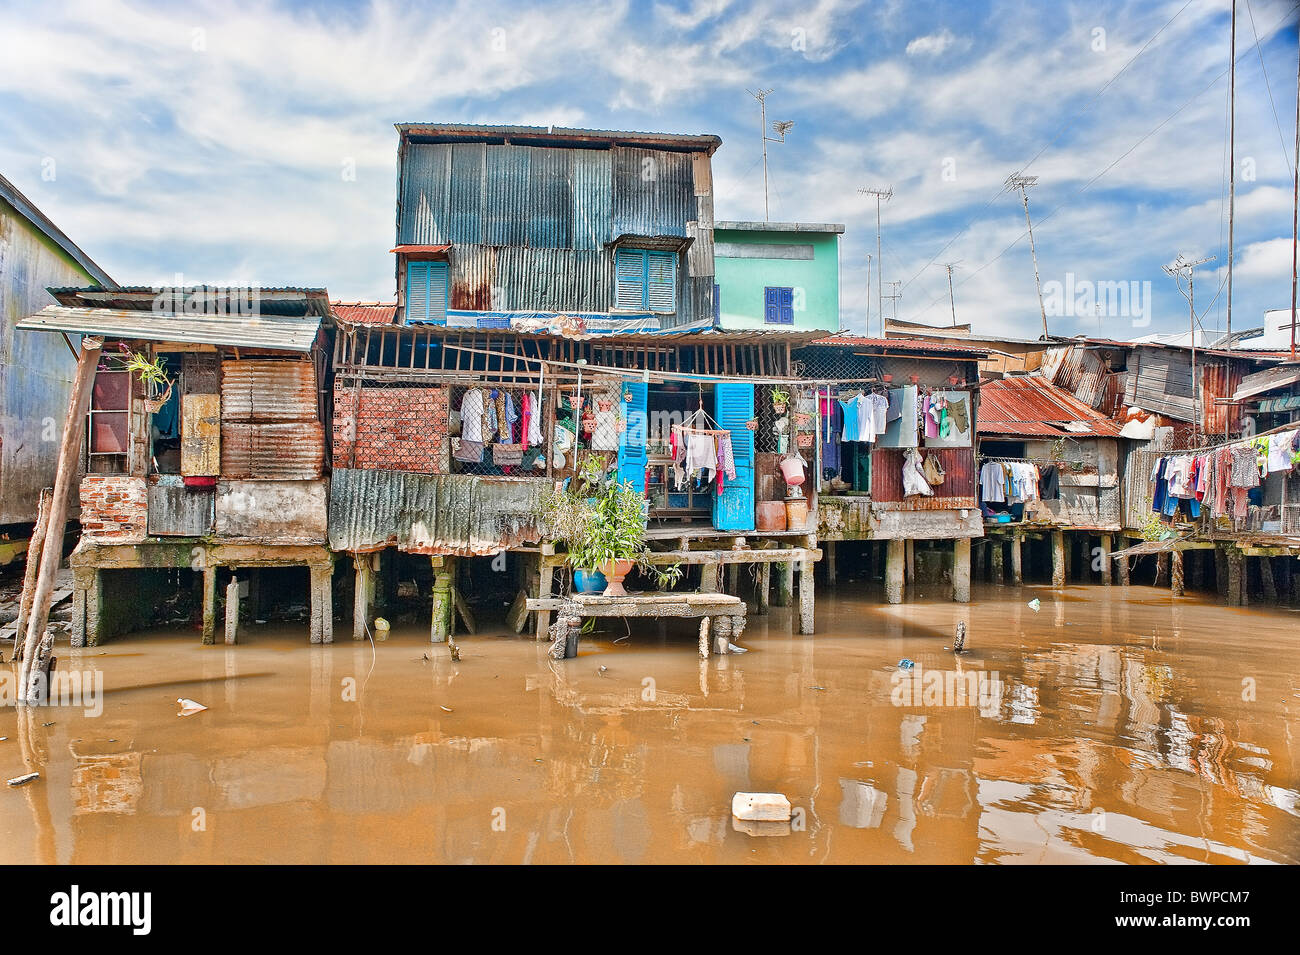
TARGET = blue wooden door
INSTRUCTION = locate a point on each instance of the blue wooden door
(733, 509)
(632, 442)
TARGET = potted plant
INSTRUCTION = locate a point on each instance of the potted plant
(601, 522)
(780, 400)
(151, 372)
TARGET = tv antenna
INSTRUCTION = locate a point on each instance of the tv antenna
(880, 194)
(1017, 181)
(780, 127)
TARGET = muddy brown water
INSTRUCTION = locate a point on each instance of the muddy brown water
(1104, 727)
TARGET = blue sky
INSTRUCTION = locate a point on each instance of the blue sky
(215, 140)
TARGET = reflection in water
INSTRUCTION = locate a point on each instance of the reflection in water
(1130, 730)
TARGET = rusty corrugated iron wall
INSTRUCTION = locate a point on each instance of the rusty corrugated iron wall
(458, 514)
(957, 489)
(270, 423)
(1219, 379)
(531, 227)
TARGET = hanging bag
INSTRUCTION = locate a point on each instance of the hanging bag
(933, 470)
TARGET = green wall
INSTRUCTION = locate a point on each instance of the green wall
(816, 281)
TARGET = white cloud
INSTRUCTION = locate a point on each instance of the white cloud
(932, 44)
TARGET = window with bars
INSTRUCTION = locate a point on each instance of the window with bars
(110, 402)
(645, 280)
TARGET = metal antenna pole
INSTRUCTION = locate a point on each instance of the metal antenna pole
(1295, 214)
(1023, 183)
(1182, 267)
(880, 285)
(867, 327)
(952, 301)
(780, 128)
(1232, 156)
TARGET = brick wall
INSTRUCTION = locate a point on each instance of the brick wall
(114, 507)
(397, 429)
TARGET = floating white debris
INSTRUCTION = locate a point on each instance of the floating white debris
(1035, 604)
(189, 707)
(761, 807)
(20, 780)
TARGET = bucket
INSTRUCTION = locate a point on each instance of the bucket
(769, 516)
(792, 470)
(589, 581)
(796, 513)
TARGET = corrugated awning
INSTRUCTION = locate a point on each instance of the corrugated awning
(1266, 380)
(287, 333)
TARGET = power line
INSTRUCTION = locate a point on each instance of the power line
(1286, 157)
(1064, 126)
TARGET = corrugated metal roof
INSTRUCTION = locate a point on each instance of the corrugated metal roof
(288, 333)
(27, 209)
(199, 298)
(559, 135)
(903, 344)
(432, 513)
(1266, 380)
(1031, 406)
(420, 248)
(365, 313)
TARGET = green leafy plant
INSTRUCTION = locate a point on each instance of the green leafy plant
(151, 371)
(780, 396)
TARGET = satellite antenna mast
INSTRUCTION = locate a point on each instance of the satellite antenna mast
(952, 302)
(880, 285)
(780, 128)
(1232, 157)
(1177, 270)
(1016, 181)
(867, 326)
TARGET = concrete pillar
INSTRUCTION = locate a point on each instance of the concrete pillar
(909, 575)
(1177, 585)
(209, 604)
(894, 559)
(1017, 559)
(545, 587)
(709, 578)
(763, 587)
(1058, 558)
(1106, 570)
(84, 591)
(999, 561)
(829, 549)
(1121, 570)
(440, 620)
(721, 627)
(1236, 574)
(977, 559)
(784, 583)
(232, 611)
(1071, 542)
(807, 596)
(322, 604)
(363, 594)
(1267, 581)
(961, 570)
(733, 579)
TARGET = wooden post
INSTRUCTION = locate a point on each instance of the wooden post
(894, 559)
(1266, 580)
(1107, 574)
(909, 575)
(209, 604)
(232, 611)
(977, 560)
(1121, 570)
(1176, 582)
(999, 561)
(74, 426)
(1162, 566)
(1071, 542)
(34, 549)
(1017, 558)
(545, 587)
(733, 579)
(807, 595)
(363, 594)
(830, 562)
(961, 570)
(784, 583)
(1221, 571)
(764, 587)
(1058, 558)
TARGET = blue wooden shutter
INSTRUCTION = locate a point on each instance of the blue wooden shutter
(717, 305)
(629, 279)
(786, 304)
(632, 442)
(426, 292)
(778, 306)
(661, 281)
(733, 509)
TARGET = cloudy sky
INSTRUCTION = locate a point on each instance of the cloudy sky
(239, 141)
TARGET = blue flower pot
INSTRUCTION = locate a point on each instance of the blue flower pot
(589, 581)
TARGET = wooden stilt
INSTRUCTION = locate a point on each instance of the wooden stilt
(1266, 580)
(440, 619)
(999, 561)
(829, 559)
(1176, 582)
(763, 588)
(784, 584)
(1017, 558)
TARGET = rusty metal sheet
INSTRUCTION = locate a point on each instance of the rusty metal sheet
(286, 451)
(279, 512)
(268, 390)
(456, 514)
(1031, 406)
(1221, 380)
(178, 511)
(201, 435)
(957, 490)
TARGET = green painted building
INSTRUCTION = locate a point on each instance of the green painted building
(778, 275)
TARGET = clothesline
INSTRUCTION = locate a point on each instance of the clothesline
(1170, 452)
